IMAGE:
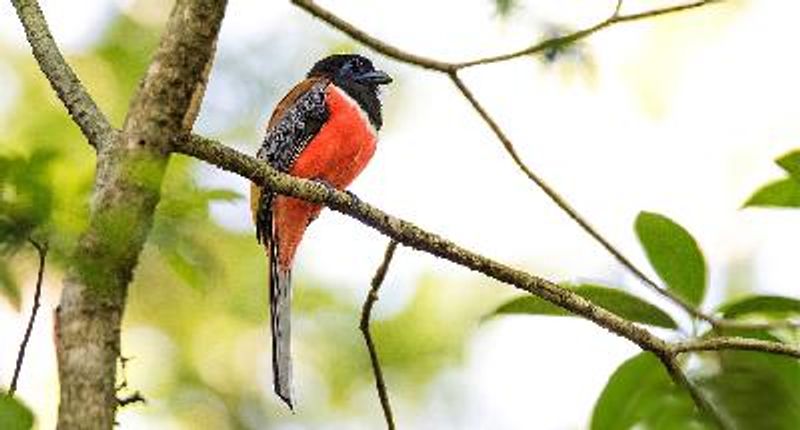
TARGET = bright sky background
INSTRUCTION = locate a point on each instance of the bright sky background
(681, 116)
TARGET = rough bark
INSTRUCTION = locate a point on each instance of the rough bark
(126, 191)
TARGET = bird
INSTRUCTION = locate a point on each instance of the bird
(324, 129)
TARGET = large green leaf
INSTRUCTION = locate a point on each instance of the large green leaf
(619, 302)
(777, 306)
(784, 193)
(755, 390)
(790, 163)
(674, 254)
(13, 414)
(640, 393)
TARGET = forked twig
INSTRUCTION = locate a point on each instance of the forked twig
(366, 312)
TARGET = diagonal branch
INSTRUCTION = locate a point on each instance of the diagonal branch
(366, 313)
(410, 235)
(699, 398)
(73, 95)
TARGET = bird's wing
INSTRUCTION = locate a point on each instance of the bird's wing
(296, 120)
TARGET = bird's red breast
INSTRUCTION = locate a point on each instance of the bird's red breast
(336, 155)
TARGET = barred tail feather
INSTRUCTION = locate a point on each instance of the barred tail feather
(280, 310)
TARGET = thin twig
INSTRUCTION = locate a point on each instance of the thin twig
(702, 403)
(41, 249)
(563, 204)
(615, 18)
(136, 397)
(447, 67)
(618, 8)
(735, 343)
(366, 312)
(62, 78)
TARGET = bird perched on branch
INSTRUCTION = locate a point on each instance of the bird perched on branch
(324, 129)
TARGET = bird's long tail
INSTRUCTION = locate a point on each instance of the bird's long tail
(280, 312)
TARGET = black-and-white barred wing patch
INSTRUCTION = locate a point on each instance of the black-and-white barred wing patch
(304, 113)
(290, 135)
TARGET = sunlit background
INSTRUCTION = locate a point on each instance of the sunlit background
(681, 115)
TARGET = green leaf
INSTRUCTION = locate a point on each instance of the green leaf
(13, 414)
(755, 390)
(776, 306)
(674, 254)
(640, 393)
(784, 193)
(619, 302)
(790, 163)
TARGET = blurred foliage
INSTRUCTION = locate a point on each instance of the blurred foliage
(674, 254)
(13, 414)
(505, 8)
(613, 300)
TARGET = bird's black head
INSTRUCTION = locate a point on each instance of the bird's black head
(357, 76)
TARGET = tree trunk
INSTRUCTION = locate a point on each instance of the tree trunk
(126, 191)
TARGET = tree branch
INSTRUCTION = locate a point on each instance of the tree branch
(451, 69)
(41, 249)
(410, 235)
(735, 343)
(567, 39)
(703, 405)
(366, 312)
(389, 50)
(73, 95)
